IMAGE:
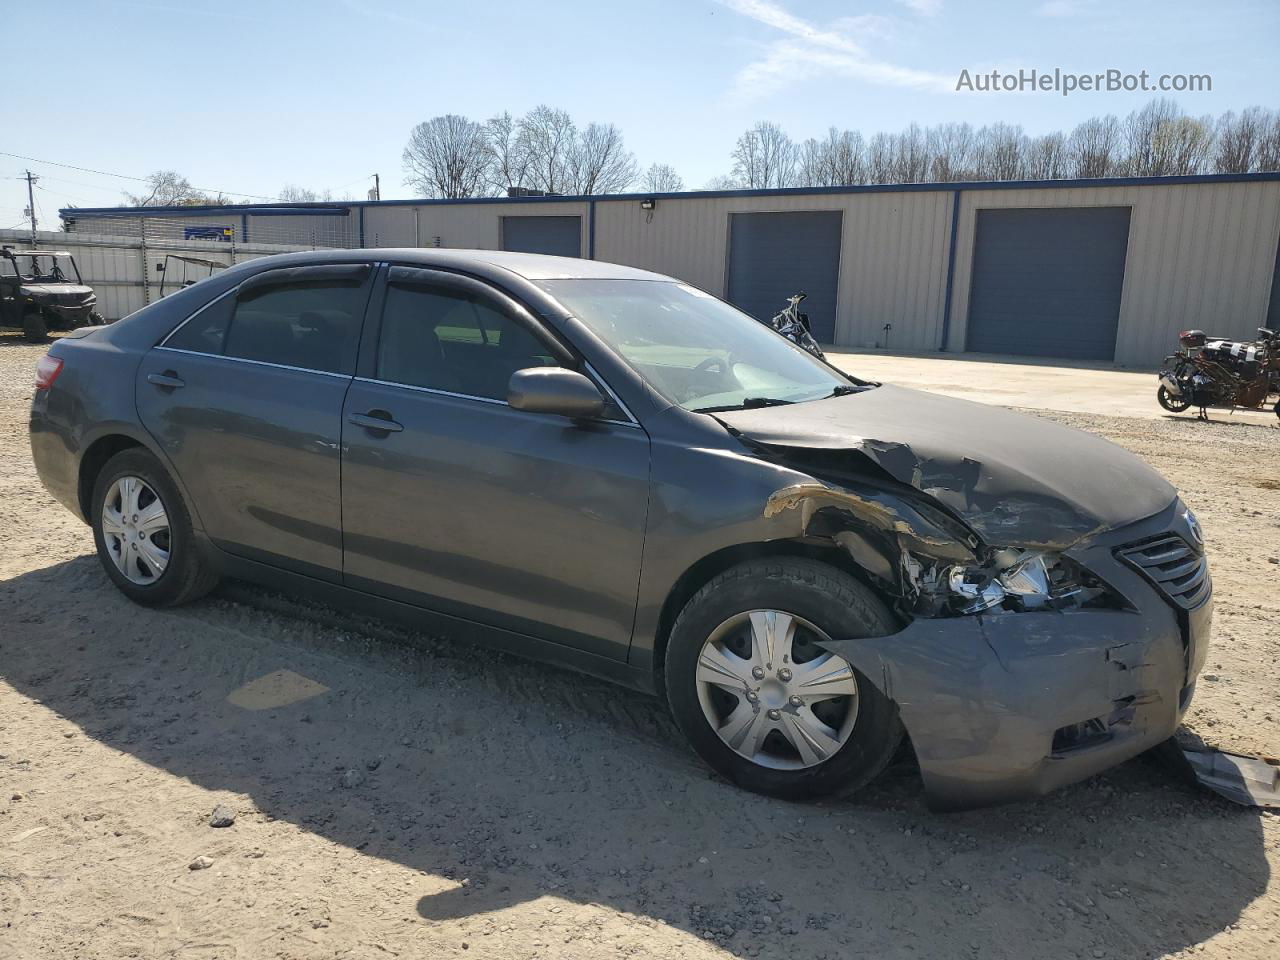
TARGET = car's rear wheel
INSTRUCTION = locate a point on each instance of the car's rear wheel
(760, 698)
(143, 533)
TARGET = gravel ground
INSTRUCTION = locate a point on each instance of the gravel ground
(398, 795)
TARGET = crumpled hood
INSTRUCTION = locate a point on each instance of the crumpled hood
(60, 289)
(1017, 480)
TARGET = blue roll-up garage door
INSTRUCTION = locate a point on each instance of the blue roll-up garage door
(773, 255)
(1047, 282)
(558, 236)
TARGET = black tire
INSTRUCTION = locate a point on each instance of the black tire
(96, 319)
(34, 329)
(188, 575)
(1171, 403)
(831, 600)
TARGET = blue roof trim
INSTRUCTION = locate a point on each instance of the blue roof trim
(249, 209)
(329, 209)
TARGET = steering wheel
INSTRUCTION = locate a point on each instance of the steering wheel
(707, 365)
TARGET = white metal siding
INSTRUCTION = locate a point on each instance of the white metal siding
(893, 255)
(1200, 255)
(114, 265)
(464, 226)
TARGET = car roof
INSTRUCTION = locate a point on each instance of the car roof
(530, 266)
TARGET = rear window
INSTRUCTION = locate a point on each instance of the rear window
(311, 326)
(206, 330)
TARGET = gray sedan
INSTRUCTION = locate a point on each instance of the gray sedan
(617, 472)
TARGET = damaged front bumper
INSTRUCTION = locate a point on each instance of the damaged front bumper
(1004, 706)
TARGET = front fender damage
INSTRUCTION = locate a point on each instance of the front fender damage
(878, 530)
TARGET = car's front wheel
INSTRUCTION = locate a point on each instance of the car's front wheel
(759, 697)
(143, 533)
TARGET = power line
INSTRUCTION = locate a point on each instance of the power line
(125, 176)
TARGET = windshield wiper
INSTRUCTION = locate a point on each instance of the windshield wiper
(750, 403)
(844, 389)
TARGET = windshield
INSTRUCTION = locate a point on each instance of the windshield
(37, 267)
(695, 350)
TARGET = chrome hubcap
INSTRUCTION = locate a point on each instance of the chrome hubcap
(773, 694)
(135, 529)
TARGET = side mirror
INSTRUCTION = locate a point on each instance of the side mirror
(554, 390)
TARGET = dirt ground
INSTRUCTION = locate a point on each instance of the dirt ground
(399, 795)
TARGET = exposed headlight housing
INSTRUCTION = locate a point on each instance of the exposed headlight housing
(1012, 579)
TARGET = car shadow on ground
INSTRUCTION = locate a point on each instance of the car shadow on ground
(518, 781)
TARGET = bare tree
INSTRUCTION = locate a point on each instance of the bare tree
(508, 157)
(846, 157)
(880, 150)
(765, 157)
(723, 182)
(835, 161)
(1000, 152)
(166, 188)
(813, 166)
(1047, 157)
(1093, 149)
(1182, 146)
(951, 148)
(294, 194)
(1269, 145)
(599, 162)
(1238, 138)
(911, 159)
(662, 178)
(1162, 141)
(547, 136)
(447, 157)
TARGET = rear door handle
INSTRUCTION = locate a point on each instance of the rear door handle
(168, 380)
(378, 421)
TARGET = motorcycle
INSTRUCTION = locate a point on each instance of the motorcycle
(794, 325)
(1213, 372)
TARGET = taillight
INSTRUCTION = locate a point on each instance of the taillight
(47, 370)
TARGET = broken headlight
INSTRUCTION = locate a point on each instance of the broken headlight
(1011, 579)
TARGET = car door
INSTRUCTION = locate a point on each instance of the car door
(529, 522)
(246, 400)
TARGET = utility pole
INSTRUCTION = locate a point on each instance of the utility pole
(377, 188)
(31, 203)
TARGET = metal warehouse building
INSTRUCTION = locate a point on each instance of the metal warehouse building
(1091, 270)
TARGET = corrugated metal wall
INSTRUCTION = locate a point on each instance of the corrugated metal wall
(893, 258)
(461, 226)
(115, 267)
(301, 231)
(1200, 255)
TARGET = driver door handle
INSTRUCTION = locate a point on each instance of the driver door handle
(378, 421)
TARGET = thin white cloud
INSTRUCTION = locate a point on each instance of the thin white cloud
(926, 8)
(809, 51)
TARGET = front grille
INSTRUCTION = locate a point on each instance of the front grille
(1175, 568)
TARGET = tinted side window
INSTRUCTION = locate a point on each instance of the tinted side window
(315, 326)
(448, 340)
(206, 330)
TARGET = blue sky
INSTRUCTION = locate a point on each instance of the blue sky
(249, 97)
